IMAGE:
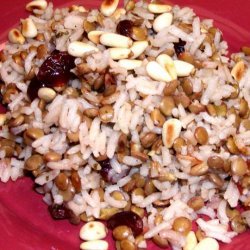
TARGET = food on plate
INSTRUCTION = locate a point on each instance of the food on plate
(134, 116)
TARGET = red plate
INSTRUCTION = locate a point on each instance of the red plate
(25, 223)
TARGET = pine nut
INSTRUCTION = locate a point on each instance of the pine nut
(162, 21)
(94, 245)
(79, 8)
(46, 94)
(138, 48)
(167, 62)
(119, 53)
(118, 13)
(207, 243)
(93, 230)
(130, 64)
(29, 29)
(191, 241)
(157, 72)
(3, 118)
(115, 40)
(170, 131)
(94, 36)
(159, 8)
(15, 36)
(108, 7)
(36, 5)
(78, 49)
(183, 68)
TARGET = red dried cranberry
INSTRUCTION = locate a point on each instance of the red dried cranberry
(125, 28)
(55, 70)
(105, 170)
(59, 212)
(33, 88)
(129, 219)
(179, 47)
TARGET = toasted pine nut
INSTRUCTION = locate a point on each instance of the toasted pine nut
(93, 230)
(170, 131)
(159, 8)
(36, 5)
(78, 49)
(15, 36)
(167, 62)
(162, 21)
(119, 53)
(108, 7)
(29, 29)
(183, 68)
(157, 72)
(238, 70)
(94, 36)
(130, 64)
(138, 48)
(115, 40)
(94, 245)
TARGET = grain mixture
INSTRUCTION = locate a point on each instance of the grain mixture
(135, 116)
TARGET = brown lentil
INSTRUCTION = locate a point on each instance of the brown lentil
(127, 245)
(148, 139)
(52, 156)
(170, 88)
(216, 179)
(201, 135)
(73, 136)
(167, 104)
(107, 213)
(215, 162)
(238, 224)
(244, 109)
(139, 34)
(231, 146)
(33, 162)
(157, 118)
(182, 225)
(178, 144)
(76, 181)
(239, 167)
(196, 203)
(160, 242)
(42, 51)
(106, 113)
(199, 169)
(187, 86)
(122, 232)
(149, 187)
(62, 181)
(231, 213)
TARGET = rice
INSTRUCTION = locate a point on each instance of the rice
(105, 124)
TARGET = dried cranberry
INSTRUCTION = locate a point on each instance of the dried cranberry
(59, 212)
(33, 88)
(55, 70)
(129, 219)
(105, 170)
(125, 28)
(179, 47)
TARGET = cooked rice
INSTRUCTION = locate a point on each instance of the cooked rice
(136, 96)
